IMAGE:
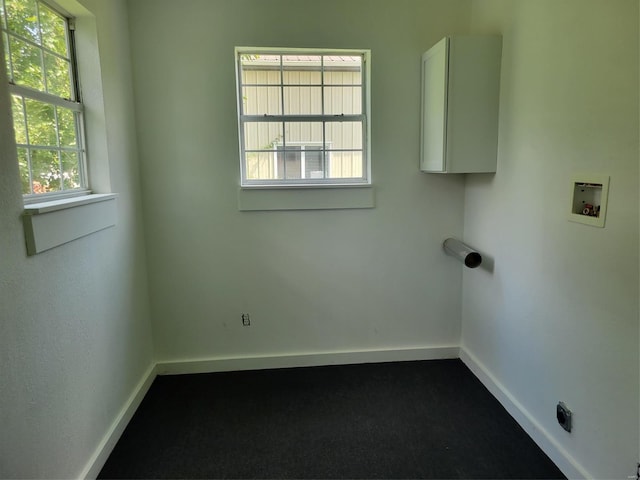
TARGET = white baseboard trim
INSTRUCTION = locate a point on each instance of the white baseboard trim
(102, 452)
(208, 365)
(565, 462)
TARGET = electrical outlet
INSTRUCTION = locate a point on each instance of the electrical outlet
(564, 416)
(246, 320)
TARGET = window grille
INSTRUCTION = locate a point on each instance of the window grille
(303, 117)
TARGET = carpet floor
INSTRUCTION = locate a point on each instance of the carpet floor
(423, 419)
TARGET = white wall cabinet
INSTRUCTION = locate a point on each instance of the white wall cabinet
(460, 100)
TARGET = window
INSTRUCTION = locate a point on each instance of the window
(303, 117)
(47, 114)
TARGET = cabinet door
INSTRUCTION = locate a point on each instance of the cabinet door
(435, 67)
(472, 103)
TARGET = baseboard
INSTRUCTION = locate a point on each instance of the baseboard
(208, 365)
(100, 455)
(565, 462)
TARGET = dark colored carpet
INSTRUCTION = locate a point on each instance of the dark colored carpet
(427, 419)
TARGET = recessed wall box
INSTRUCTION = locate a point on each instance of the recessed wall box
(589, 199)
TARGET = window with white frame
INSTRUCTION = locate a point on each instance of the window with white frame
(303, 117)
(47, 112)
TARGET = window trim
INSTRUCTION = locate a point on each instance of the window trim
(51, 224)
(364, 118)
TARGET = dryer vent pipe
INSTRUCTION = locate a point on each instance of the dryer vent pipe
(462, 252)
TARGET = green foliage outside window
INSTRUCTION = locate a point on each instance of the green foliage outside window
(45, 114)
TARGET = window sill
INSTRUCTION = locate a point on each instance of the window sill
(56, 222)
(308, 198)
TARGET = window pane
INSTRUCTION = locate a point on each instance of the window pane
(289, 163)
(262, 135)
(344, 135)
(343, 100)
(45, 168)
(41, 123)
(313, 162)
(22, 19)
(19, 125)
(27, 64)
(302, 62)
(260, 69)
(343, 63)
(54, 31)
(302, 77)
(23, 164)
(343, 77)
(302, 100)
(70, 170)
(67, 127)
(260, 165)
(261, 100)
(346, 164)
(58, 79)
(308, 133)
(262, 75)
(300, 161)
